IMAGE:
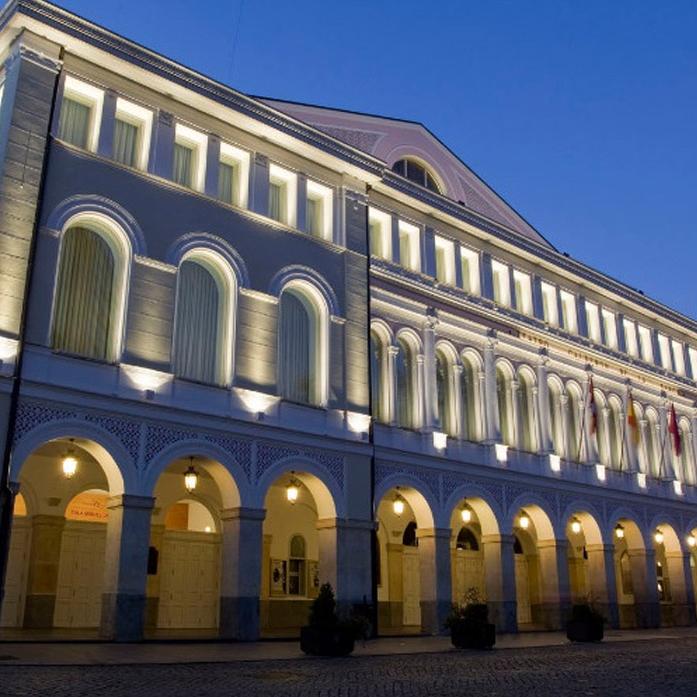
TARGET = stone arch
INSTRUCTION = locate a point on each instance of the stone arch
(589, 516)
(416, 493)
(227, 473)
(482, 503)
(304, 276)
(423, 158)
(635, 534)
(536, 507)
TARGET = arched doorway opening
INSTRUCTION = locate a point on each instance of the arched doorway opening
(298, 551)
(636, 589)
(402, 515)
(670, 576)
(185, 561)
(56, 566)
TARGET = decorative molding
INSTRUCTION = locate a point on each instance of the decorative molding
(268, 455)
(154, 263)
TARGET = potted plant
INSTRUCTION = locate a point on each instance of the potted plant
(326, 634)
(469, 624)
(586, 624)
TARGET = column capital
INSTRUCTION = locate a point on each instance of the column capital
(242, 513)
(131, 501)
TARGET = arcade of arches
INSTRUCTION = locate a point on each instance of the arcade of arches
(190, 560)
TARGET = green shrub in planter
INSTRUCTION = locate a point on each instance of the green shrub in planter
(470, 627)
(586, 624)
(326, 634)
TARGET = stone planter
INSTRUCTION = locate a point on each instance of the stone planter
(326, 641)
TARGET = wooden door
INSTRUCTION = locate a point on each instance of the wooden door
(80, 576)
(16, 576)
(189, 581)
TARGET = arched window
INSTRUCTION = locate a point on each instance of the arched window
(653, 457)
(601, 433)
(575, 444)
(467, 540)
(202, 345)
(469, 401)
(556, 431)
(444, 388)
(617, 454)
(687, 466)
(504, 406)
(406, 388)
(378, 364)
(88, 306)
(302, 363)
(416, 172)
(526, 402)
(296, 566)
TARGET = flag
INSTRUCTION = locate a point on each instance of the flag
(632, 421)
(593, 406)
(674, 431)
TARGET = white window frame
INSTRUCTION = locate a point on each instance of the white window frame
(645, 343)
(568, 307)
(413, 235)
(664, 351)
(593, 321)
(501, 283)
(678, 356)
(469, 263)
(522, 281)
(141, 118)
(90, 96)
(550, 306)
(384, 221)
(631, 340)
(446, 247)
(284, 177)
(239, 159)
(198, 143)
(609, 327)
(692, 352)
(320, 192)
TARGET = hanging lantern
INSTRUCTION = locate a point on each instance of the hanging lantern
(576, 526)
(398, 505)
(191, 477)
(293, 491)
(691, 540)
(619, 532)
(524, 521)
(658, 536)
(69, 463)
(466, 514)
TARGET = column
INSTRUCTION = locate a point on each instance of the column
(396, 247)
(646, 604)
(603, 583)
(456, 390)
(568, 449)
(301, 203)
(604, 414)
(555, 592)
(681, 589)
(631, 459)
(643, 425)
(153, 582)
(345, 559)
(126, 567)
(513, 396)
(392, 352)
(499, 579)
(42, 574)
(430, 389)
(259, 184)
(212, 166)
(163, 145)
(393, 614)
(436, 590)
(241, 573)
(664, 438)
(105, 147)
(544, 430)
(492, 432)
(420, 396)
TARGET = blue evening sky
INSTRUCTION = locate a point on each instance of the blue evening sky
(581, 113)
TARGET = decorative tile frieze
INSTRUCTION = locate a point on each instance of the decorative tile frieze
(268, 455)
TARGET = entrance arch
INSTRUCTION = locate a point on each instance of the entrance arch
(671, 575)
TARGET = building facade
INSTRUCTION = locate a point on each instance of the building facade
(250, 346)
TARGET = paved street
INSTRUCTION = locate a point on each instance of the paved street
(664, 667)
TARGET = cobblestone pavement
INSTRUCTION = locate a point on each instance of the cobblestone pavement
(664, 668)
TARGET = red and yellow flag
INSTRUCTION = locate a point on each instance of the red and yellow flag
(632, 421)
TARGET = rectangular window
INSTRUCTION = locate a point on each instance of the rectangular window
(380, 224)
(469, 259)
(645, 344)
(132, 129)
(233, 175)
(282, 195)
(678, 357)
(319, 210)
(445, 260)
(664, 348)
(409, 246)
(81, 114)
(630, 338)
(523, 292)
(693, 362)
(593, 321)
(568, 309)
(502, 284)
(610, 328)
(550, 308)
(189, 166)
